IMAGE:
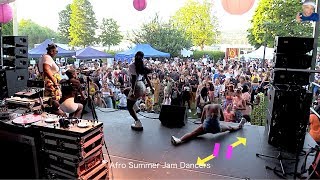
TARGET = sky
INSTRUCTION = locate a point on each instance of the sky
(45, 12)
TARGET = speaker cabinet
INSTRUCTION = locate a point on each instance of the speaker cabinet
(173, 116)
(290, 77)
(17, 41)
(293, 45)
(15, 52)
(18, 63)
(17, 78)
(294, 61)
(287, 117)
(3, 85)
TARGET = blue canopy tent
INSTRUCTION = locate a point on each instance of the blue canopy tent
(148, 51)
(41, 49)
(90, 53)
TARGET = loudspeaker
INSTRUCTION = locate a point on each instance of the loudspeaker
(16, 41)
(294, 61)
(290, 77)
(293, 45)
(17, 78)
(287, 117)
(15, 52)
(3, 85)
(18, 63)
(173, 116)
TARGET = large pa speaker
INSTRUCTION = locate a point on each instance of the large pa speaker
(287, 117)
(290, 77)
(16, 62)
(3, 85)
(173, 116)
(293, 45)
(16, 41)
(15, 52)
(294, 61)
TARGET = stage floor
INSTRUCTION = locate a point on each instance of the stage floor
(150, 155)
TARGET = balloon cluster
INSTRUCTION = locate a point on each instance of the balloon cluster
(5, 11)
(140, 5)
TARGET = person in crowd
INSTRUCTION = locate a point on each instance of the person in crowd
(229, 94)
(122, 97)
(107, 95)
(212, 114)
(155, 81)
(259, 110)
(63, 74)
(138, 71)
(194, 85)
(239, 104)
(98, 100)
(149, 102)
(70, 89)
(202, 101)
(217, 91)
(93, 87)
(176, 97)
(186, 94)
(246, 96)
(229, 115)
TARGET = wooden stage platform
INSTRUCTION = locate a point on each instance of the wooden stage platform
(150, 155)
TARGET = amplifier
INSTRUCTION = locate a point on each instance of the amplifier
(294, 61)
(75, 143)
(296, 45)
(34, 83)
(290, 77)
(100, 171)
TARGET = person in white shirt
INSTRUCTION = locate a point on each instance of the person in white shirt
(137, 71)
(63, 74)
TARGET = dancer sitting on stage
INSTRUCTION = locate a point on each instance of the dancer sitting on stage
(70, 89)
(138, 88)
(212, 114)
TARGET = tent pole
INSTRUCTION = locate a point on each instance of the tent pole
(1, 47)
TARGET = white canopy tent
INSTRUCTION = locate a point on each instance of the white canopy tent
(258, 54)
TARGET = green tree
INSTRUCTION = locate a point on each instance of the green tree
(83, 24)
(64, 24)
(276, 18)
(7, 29)
(162, 36)
(36, 33)
(110, 33)
(196, 20)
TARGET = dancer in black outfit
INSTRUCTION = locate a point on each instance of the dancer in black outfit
(137, 71)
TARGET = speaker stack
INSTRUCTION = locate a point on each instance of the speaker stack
(15, 65)
(289, 101)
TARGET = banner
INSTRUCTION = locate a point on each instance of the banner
(232, 53)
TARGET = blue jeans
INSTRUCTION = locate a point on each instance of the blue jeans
(108, 101)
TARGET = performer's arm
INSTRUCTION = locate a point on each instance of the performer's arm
(133, 83)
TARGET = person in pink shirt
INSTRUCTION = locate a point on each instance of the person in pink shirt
(229, 115)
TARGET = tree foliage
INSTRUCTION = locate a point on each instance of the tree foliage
(83, 24)
(162, 36)
(7, 29)
(276, 18)
(196, 20)
(110, 33)
(36, 33)
(64, 24)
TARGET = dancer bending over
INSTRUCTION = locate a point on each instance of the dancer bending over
(211, 115)
(138, 88)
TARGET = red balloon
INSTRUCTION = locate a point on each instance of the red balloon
(140, 5)
(237, 7)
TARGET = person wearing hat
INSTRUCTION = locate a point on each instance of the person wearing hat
(308, 13)
(70, 89)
